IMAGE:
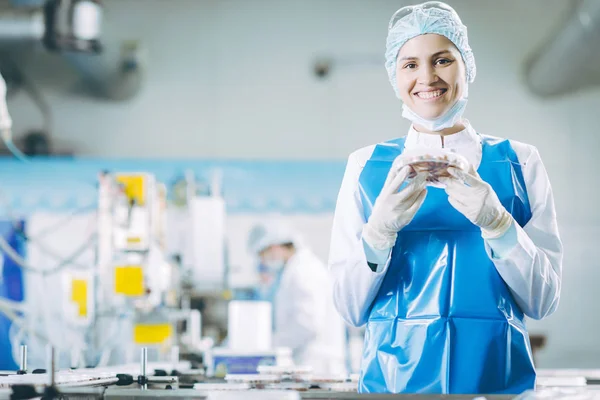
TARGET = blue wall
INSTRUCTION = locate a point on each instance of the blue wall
(65, 184)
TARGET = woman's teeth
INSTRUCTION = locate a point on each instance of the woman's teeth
(430, 95)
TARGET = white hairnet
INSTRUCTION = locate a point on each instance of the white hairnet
(429, 17)
(269, 233)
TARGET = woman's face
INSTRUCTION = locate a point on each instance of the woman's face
(430, 75)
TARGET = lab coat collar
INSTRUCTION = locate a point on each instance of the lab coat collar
(298, 256)
(466, 137)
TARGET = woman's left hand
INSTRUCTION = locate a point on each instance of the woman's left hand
(476, 200)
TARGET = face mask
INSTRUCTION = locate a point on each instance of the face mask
(448, 120)
(267, 289)
(274, 264)
(265, 293)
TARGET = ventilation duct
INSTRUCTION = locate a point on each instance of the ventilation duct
(119, 81)
(570, 60)
(72, 29)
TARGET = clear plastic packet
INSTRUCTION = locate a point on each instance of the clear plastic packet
(252, 379)
(284, 370)
(346, 387)
(433, 163)
(328, 379)
(222, 386)
(297, 386)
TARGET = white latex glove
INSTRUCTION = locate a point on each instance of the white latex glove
(394, 209)
(476, 200)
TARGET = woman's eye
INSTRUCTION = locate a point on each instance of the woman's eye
(443, 61)
(410, 66)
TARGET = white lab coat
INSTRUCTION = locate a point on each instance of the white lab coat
(305, 318)
(532, 268)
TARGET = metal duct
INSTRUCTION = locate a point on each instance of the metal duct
(570, 60)
(120, 80)
(21, 25)
(71, 28)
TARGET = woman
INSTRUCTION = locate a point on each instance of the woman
(443, 277)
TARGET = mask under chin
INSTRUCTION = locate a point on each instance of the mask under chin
(448, 120)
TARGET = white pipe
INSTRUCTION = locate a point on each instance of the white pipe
(174, 357)
(51, 363)
(18, 321)
(104, 357)
(23, 358)
(194, 326)
(17, 25)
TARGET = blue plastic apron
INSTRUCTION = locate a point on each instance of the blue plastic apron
(443, 320)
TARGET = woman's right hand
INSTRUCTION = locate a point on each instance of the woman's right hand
(394, 209)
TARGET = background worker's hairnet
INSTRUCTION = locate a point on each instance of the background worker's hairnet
(430, 17)
(269, 233)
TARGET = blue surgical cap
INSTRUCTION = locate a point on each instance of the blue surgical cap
(430, 17)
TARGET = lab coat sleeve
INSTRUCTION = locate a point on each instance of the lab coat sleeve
(503, 245)
(532, 269)
(355, 284)
(376, 257)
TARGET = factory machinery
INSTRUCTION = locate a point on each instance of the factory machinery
(125, 296)
(177, 380)
(130, 293)
(162, 353)
(159, 349)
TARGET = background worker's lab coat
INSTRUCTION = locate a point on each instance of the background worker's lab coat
(305, 318)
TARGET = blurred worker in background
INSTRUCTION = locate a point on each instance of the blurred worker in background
(298, 284)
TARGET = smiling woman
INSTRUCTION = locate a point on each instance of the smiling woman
(430, 75)
(424, 57)
(443, 262)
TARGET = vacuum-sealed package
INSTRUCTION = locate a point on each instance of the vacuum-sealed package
(209, 387)
(287, 373)
(433, 163)
(339, 378)
(253, 379)
(284, 370)
(297, 386)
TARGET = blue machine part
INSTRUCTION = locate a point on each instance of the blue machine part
(11, 287)
(224, 365)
